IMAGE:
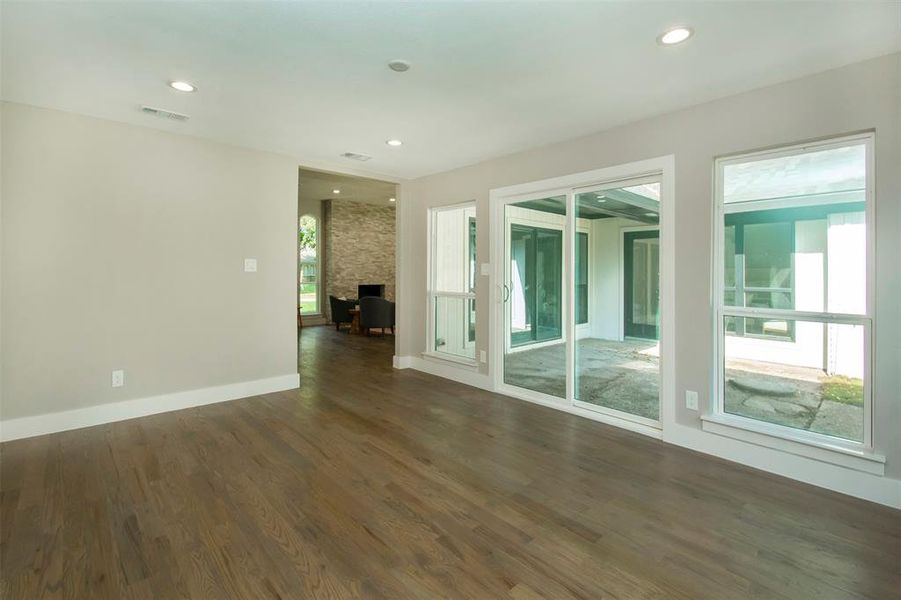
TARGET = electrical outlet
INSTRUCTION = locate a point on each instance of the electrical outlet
(486, 269)
(483, 356)
(691, 399)
(250, 265)
(118, 378)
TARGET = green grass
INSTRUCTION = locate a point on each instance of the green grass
(844, 390)
(307, 307)
(307, 288)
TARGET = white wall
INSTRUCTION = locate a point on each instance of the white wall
(123, 248)
(864, 96)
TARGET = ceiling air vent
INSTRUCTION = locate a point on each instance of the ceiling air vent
(356, 156)
(164, 114)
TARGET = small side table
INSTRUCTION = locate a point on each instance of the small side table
(355, 321)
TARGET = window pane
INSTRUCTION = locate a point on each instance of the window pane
(453, 326)
(617, 357)
(821, 172)
(308, 272)
(472, 320)
(768, 255)
(472, 254)
(454, 249)
(581, 278)
(814, 383)
(453, 272)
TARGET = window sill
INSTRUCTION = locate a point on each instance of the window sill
(762, 434)
(469, 363)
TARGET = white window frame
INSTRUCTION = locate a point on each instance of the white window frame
(433, 294)
(716, 419)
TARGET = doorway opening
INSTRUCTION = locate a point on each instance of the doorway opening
(346, 240)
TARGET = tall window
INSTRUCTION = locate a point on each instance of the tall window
(452, 273)
(308, 266)
(471, 320)
(793, 316)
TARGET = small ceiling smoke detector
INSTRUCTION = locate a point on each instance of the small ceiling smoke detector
(182, 86)
(164, 114)
(399, 65)
(394, 143)
(675, 35)
(357, 156)
(336, 192)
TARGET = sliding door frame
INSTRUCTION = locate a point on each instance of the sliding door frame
(661, 168)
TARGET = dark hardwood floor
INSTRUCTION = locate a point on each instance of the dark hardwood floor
(370, 482)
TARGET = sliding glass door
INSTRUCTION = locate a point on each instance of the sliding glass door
(534, 298)
(581, 298)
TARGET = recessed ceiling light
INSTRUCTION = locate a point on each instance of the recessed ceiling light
(399, 65)
(336, 192)
(649, 214)
(392, 199)
(675, 35)
(182, 86)
(394, 143)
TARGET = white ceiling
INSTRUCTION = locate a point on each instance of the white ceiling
(317, 185)
(310, 79)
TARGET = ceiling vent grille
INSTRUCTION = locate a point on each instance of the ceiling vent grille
(357, 156)
(164, 114)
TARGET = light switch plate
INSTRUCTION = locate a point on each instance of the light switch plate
(486, 269)
(483, 356)
(250, 265)
(691, 399)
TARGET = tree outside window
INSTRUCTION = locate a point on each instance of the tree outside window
(308, 266)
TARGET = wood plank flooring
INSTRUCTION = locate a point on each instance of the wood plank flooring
(375, 483)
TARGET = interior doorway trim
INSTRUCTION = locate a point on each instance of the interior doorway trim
(662, 168)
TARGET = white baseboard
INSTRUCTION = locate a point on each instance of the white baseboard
(23, 427)
(852, 482)
(402, 362)
(448, 370)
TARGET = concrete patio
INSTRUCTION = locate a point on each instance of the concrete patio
(624, 376)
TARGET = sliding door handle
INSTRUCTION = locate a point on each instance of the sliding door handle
(506, 293)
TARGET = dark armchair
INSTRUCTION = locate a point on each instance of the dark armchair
(376, 313)
(341, 311)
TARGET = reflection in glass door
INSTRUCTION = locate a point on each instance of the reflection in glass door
(641, 283)
(534, 296)
(536, 288)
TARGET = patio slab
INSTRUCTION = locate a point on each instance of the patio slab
(624, 375)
